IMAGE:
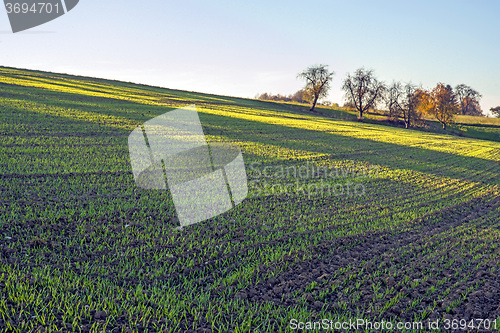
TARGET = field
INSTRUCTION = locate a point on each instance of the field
(344, 220)
(483, 128)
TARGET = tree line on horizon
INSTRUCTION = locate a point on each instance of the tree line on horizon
(300, 97)
(404, 102)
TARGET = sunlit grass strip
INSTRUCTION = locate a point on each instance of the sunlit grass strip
(462, 147)
(106, 120)
(78, 236)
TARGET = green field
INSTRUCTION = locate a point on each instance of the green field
(397, 225)
(483, 128)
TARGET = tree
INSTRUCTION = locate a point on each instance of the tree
(441, 102)
(393, 95)
(468, 100)
(402, 101)
(363, 90)
(318, 80)
(299, 97)
(496, 111)
(410, 100)
(263, 96)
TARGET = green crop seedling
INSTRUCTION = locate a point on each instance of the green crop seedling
(82, 248)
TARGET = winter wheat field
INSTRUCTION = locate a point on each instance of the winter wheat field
(348, 226)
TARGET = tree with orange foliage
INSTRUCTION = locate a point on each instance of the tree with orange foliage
(441, 102)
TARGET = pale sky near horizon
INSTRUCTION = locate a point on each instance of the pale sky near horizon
(241, 48)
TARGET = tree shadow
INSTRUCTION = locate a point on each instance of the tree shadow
(338, 147)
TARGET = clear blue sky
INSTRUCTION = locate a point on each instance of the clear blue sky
(242, 48)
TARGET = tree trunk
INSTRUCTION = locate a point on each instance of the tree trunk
(444, 126)
(314, 103)
(360, 117)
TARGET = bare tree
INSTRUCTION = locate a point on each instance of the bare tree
(468, 100)
(363, 90)
(392, 99)
(318, 80)
(402, 101)
(410, 100)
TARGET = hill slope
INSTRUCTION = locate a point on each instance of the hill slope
(475, 127)
(344, 220)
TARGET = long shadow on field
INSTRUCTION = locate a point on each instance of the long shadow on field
(463, 123)
(336, 146)
(340, 147)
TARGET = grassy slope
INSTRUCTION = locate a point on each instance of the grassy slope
(78, 237)
(464, 126)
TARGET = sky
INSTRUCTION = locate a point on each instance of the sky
(242, 48)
